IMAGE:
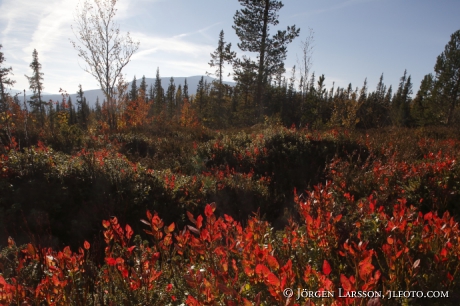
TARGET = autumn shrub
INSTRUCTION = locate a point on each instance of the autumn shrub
(364, 212)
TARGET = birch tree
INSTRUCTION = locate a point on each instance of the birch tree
(102, 46)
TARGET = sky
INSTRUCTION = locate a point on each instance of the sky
(353, 39)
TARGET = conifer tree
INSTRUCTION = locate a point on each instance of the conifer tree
(179, 99)
(159, 94)
(72, 114)
(151, 93)
(200, 96)
(98, 110)
(170, 98)
(220, 56)
(5, 81)
(82, 108)
(447, 87)
(423, 107)
(143, 89)
(36, 85)
(133, 92)
(400, 104)
(185, 93)
(252, 26)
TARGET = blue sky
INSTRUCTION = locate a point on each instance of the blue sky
(353, 39)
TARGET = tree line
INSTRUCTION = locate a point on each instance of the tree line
(262, 90)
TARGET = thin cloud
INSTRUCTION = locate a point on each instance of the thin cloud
(200, 31)
(332, 8)
(175, 44)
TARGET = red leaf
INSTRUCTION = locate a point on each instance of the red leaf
(111, 261)
(209, 210)
(272, 262)
(228, 218)
(261, 269)
(365, 269)
(346, 285)
(129, 231)
(326, 268)
(86, 245)
(149, 216)
(428, 216)
(390, 240)
(273, 280)
(444, 252)
(199, 222)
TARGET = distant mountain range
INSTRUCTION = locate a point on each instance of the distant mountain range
(92, 94)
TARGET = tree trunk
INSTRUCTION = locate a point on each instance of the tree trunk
(260, 77)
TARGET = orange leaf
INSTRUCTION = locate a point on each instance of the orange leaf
(246, 302)
(86, 245)
(171, 228)
(390, 240)
(190, 217)
(149, 216)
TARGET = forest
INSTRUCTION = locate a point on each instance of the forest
(232, 195)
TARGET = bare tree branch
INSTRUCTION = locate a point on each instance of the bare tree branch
(104, 49)
(305, 62)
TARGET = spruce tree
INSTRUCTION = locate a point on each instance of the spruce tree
(179, 98)
(151, 93)
(200, 89)
(170, 98)
(423, 109)
(133, 92)
(159, 94)
(400, 105)
(82, 108)
(98, 110)
(72, 114)
(186, 96)
(4, 82)
(447, 87)
(143, 89)
(36, 85)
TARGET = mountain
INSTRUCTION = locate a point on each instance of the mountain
(92, 94)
